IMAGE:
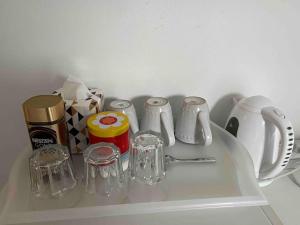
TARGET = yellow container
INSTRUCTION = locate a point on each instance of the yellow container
(109, 127)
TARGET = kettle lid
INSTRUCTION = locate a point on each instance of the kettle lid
(256, 102)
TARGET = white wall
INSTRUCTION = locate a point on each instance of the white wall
(210, 48)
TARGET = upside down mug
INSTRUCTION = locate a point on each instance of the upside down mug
(158, 118)
(192, 125)
(128, 109)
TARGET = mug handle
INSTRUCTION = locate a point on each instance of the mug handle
(169, 128)
(134, 125)
(203, 117)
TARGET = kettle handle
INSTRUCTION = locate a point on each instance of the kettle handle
(277, 118)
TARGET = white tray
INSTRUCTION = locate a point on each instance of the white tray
(228, 183)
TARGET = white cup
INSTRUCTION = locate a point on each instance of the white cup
(126, 107)
(158, 117)
(192, 125)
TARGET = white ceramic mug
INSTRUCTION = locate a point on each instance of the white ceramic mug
(192, 125)
(158, 117)
(126, 107)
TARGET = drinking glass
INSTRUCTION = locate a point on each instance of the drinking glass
(146, 157)
(51, 172)
(103, 171)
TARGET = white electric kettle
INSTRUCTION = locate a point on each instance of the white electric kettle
(265, 132)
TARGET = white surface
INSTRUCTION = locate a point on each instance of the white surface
(210, 48)
(230, 182)
(284, 197)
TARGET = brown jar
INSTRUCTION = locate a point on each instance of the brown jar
(45, 119)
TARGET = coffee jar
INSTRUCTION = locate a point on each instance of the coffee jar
(45, 119)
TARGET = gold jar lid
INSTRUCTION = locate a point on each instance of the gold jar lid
(43, 109)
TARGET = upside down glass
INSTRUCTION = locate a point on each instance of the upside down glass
(146, 159)
(51, 172)
(103, 171)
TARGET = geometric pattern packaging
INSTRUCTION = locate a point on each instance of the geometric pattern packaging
(76, 114)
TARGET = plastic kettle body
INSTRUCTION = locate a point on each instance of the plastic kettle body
(265, 132)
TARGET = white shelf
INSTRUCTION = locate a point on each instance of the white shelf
(228, 183)
(284, 197)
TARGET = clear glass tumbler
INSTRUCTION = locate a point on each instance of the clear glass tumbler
(103, 171)
(51, 171)
(147, 158)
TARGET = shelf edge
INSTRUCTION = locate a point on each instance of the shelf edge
(132, 209)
